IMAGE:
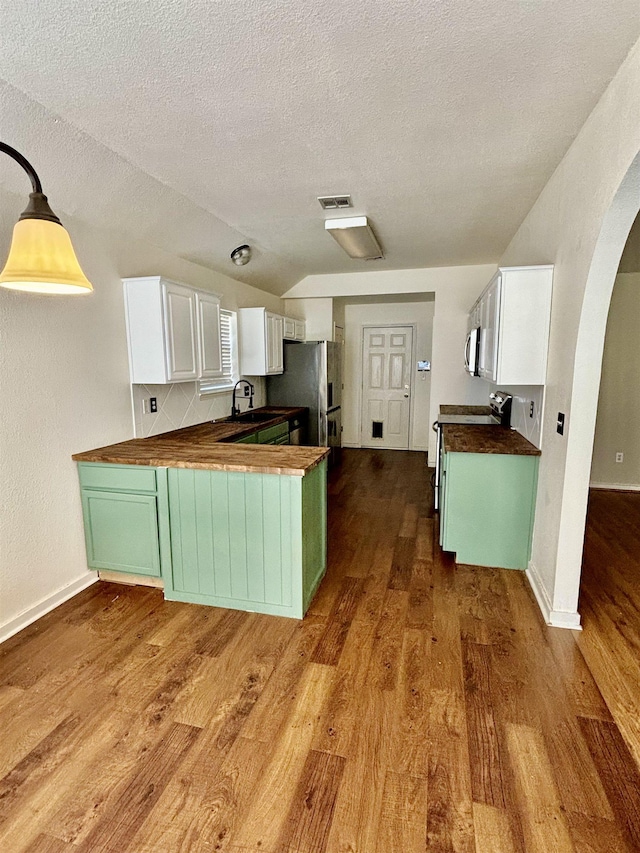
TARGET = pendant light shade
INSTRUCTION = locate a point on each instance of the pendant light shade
(41, 258)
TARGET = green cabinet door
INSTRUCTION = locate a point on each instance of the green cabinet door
(121, 532)
(487, 511)
(126, 518)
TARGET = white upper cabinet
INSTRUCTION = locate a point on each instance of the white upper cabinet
(289, 328)
(293, 329)
(514, 313)
(261, 342)
(173, 331)
(209, 349)
(299, 327)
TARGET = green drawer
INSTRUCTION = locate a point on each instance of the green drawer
(271, 434)
(117, 478)
(247, 439)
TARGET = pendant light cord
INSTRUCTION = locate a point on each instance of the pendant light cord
(26, 165)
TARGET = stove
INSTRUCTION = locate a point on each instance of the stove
(465, 419)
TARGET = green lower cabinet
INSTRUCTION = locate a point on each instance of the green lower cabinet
(247, 439)
(125, 513)
(247, 541)
(487, 508)
(278, 434)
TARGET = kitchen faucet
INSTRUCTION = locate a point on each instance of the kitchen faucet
(235, 410)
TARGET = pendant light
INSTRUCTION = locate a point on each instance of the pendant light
(41, 258)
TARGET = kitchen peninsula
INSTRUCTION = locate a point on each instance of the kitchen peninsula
(223, 519)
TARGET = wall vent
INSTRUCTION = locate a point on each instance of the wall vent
(334, 202)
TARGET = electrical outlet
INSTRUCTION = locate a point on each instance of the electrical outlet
(619, 456)
(247, 390)
(531, 409)
(153, 404)
(560, 423)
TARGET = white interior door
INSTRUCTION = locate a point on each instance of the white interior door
(386, 386)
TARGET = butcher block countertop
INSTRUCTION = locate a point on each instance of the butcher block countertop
(209, 446)
(465, 410)
(465, 438)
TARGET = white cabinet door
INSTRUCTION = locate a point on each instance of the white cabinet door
(181, 338)
(489, 327)
(289, 329)
(209, 348)
(274, 343)
(261, 342)
(299, 330)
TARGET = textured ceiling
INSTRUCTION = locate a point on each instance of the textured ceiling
(443, 120)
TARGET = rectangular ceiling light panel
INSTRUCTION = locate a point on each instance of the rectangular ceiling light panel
(356, 237)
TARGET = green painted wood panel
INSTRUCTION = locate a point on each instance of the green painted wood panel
(248, 439)
(488, 509)
(314, 526)
(121, 532)
(246, 540)
(270, 434)
(117, 478)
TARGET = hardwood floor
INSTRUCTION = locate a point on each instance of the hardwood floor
(418, 706)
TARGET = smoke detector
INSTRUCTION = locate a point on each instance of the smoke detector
(334, 202)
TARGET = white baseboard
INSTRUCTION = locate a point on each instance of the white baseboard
(554, 618)
(8, 629)
(616, 487)
(130, 580)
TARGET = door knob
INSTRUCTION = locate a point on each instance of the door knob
(406, 395)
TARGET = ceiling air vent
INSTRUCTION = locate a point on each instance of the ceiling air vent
(334, 202)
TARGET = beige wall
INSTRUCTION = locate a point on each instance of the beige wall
(419, 314)
(317, 314)
(64, 387)
(618, 421)
(455, 289)
(630, 260)
(579, 223)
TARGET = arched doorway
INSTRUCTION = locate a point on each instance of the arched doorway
(585, 389)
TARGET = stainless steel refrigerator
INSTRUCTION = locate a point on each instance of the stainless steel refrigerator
(313, 378)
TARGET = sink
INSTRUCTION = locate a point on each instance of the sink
(253, 417)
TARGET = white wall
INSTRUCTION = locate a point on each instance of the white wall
(455, 290)
(618, 420)
(317, 314)
(64, 387)
(356, 316)
(579, 223)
